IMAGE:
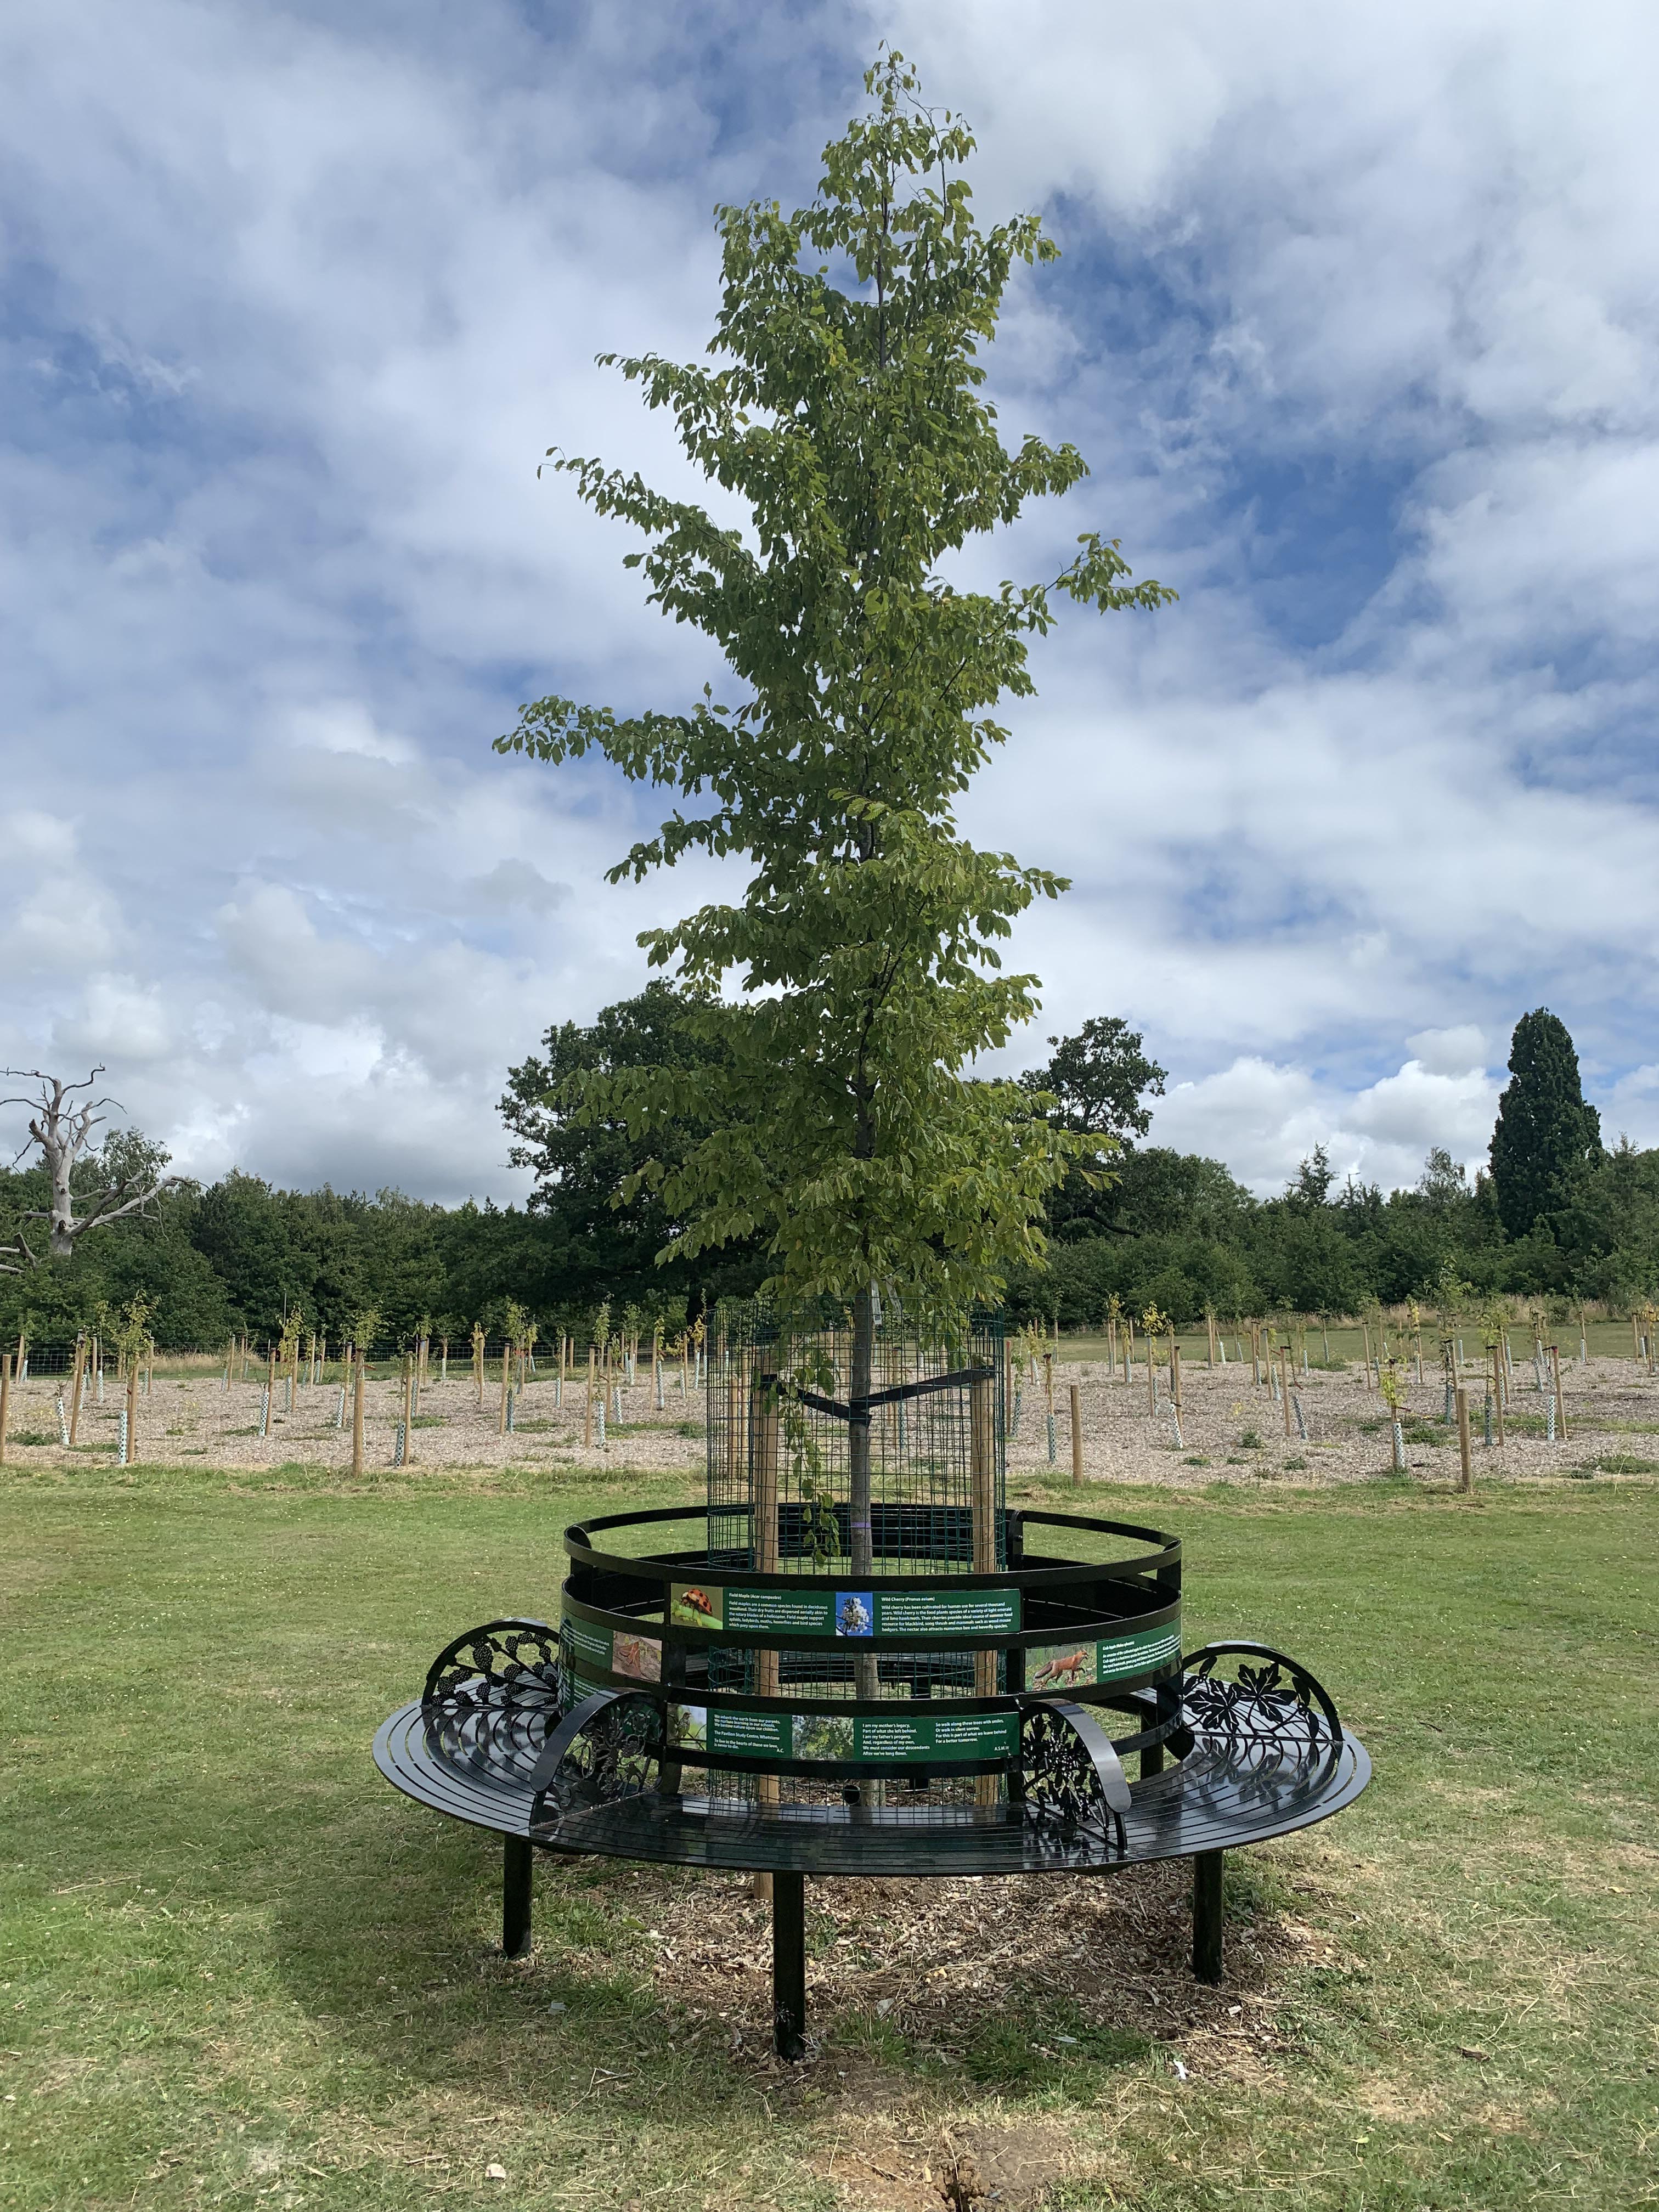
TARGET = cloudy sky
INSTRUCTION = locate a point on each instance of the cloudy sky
(1357, 323)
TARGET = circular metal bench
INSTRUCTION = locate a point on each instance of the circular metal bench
(692, 1711)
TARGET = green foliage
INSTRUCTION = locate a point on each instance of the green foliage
(585, 1160)
(1098, 1078)
(848, 421)
(1546, 1134)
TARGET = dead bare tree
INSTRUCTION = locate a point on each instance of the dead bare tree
(60, 1128)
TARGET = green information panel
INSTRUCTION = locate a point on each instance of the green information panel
(603, 1650)
(915, 1738)
(938, 1614)
(1112, 1659)
(945, 1736)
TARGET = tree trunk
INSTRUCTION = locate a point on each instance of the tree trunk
(59, 1162)
(865, 1676)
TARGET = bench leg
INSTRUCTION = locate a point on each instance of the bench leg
(789, 1966)
(1206, 1916)
(516, 1860)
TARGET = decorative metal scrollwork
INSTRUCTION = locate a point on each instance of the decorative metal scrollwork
(608, 1749)
(1267, 1714)
(1074, 1782)
(492, 1696)
(1272, 1701)
(501, 1663)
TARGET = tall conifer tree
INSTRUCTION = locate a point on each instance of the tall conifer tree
(846, 414)
(1545, 1133)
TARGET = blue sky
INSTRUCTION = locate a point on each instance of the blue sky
(1356, 323)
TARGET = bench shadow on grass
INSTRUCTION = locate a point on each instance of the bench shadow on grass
(1028, 1987)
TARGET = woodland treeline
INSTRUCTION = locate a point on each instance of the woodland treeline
(1558, 1215)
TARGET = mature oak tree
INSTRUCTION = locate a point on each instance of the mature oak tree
(846, 415)
(585, 1160)
(1098, 1078)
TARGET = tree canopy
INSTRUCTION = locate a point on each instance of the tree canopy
(586, 1160)
(1546, 1134)
(1098, 1078)
(847, 418)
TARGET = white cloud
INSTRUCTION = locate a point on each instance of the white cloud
(1264, 1120)
(320, 294)
(516, 883)
(1459, 1051)
(30, 834)
(120, 1021)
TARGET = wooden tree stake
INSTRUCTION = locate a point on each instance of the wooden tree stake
(5, 1401)
(1465, 1462)
(1560, 1399)
(1284, 1383)
(357, 1409)
(1077, 1439)
(74, 1393)
(764, 1492)
(982, 1465)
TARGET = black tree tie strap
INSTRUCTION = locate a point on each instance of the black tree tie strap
(856, 1411)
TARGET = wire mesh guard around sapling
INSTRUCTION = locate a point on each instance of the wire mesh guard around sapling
(781, 1422)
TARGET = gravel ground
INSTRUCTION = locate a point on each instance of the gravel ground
(196, 1417)
(1227, 1423)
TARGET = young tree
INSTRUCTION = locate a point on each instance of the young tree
(1545, 1134)
(122, 1176)
(1314, 1178)
(849, 420)
(1443, 1180)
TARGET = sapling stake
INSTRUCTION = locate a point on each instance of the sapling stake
(130, 1347)
(1465, 1459)
(356, 1409)
(75, 1389)
(5, 1401)
(1077, 1437)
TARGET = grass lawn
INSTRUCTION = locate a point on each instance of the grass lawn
(237, 1969)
